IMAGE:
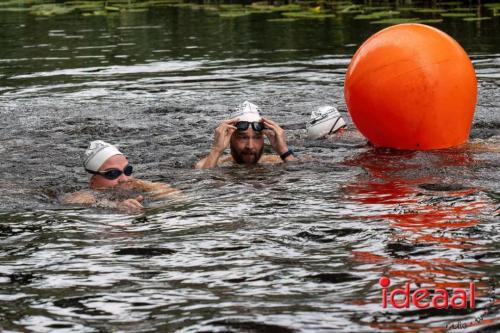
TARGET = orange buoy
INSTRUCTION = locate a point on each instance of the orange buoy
(411, 86)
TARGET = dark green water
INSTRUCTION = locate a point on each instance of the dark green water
(292, 248)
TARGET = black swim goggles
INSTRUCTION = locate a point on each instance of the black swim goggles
(112, 174)
(243, 125)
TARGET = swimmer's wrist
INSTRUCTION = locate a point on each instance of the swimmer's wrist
(282, 150)
(287, 156)
(217, 151)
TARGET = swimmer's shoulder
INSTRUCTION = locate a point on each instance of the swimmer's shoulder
(270, 159)
(82, 197)
(155, 190)
(265, 159)
(225, 160)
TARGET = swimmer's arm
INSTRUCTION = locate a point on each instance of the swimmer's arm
(157, 190)
(210, 161)
(80, 198)
(89, 199)
(222, 136)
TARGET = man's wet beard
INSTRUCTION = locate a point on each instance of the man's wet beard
(239, 156)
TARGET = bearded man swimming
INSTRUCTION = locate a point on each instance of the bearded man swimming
(244, 133)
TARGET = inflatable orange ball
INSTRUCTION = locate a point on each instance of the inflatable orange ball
(411, 86)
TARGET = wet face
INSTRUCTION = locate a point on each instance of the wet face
(247, 146)
(114, 162)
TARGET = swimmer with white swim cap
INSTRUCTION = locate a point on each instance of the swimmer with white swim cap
(325, 121)
(111, 169)
(244, 133)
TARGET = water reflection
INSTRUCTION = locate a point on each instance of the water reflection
(430, 226)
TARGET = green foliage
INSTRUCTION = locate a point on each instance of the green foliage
(20, 3)
(429, 10)
(460, 9)
(14, 9)
(458, 15)
(475, 19)
(283, 19)
(50, 9)
(350, 9)
(233, 14)
(407, 20)
(308, 15)
(298, 9)
(283, 8)
(376, 15)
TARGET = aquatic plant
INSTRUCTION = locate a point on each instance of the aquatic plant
(475, 19)
(376, 15)
(458, 15)
(392, 21)
(233, 14)
(308, 15)
(295, 9)
(282, 19)
(263, 6)
(50, 9)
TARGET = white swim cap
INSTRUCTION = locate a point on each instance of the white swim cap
(97, 153)
(325, 120)
(247, 112)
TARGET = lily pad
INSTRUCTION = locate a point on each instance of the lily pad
(236, 8)
(50, 10)
(396, 21)
(14, 9)
(233, 14)
(494, 7)
(450, 3)
(308, 15)
(187, 6)
(429, 21)
(377, 8)
(407, 9)
(284, 8)
(429, 10)
(87, 7)
(350, 9)
(458, 14)
(287, 8)
(112, 9)
(475, 19)
(376, 15)
(283, 19)
(464, 10)
(135, 10)
(158, 3)
(19, 3)
(408, 20)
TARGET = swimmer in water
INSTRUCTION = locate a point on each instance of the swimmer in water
(325, 122)
(244, 133)
(110, 169)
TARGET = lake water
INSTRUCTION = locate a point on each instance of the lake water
(298, 247)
